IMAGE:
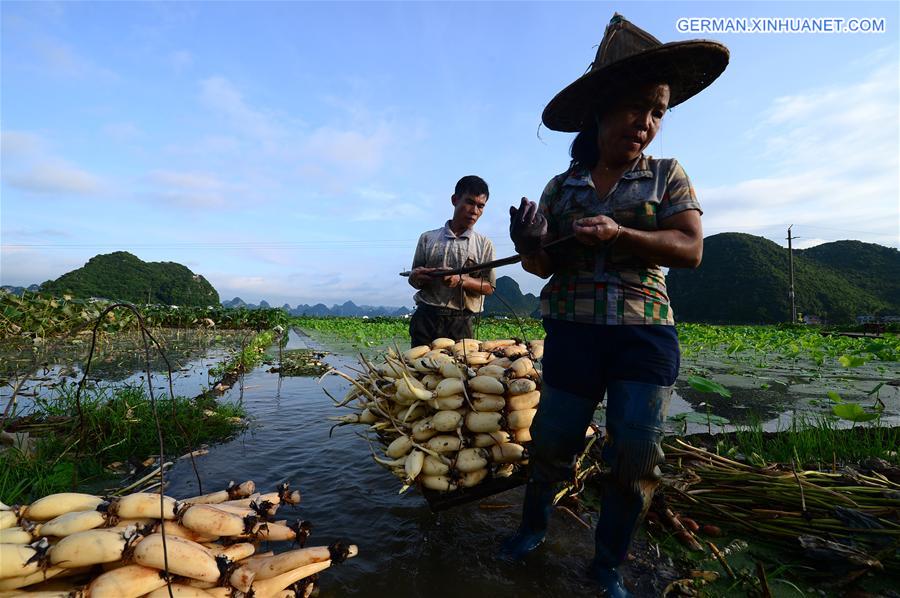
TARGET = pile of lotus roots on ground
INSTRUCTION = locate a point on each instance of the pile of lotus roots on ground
(451, 414)
(80, 545)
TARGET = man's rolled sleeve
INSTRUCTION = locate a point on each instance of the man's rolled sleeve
(490, 275)
(419, 255)
(679, 195)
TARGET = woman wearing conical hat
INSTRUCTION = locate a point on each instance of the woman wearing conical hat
(610, 327)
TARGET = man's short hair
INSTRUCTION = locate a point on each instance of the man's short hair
(473, 185)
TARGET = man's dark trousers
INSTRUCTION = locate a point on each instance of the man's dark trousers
(429, 322)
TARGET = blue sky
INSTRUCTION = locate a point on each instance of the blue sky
(295, 151)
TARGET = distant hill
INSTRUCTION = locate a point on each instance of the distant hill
(872, 268)
(20, 290)
(745, 279)
(508, 291)
(347, 309)
(122, 276)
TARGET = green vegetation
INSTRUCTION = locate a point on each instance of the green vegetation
(60, 447)
(763, 356)
(122, 276)
(302, 362)
(378, 333)
(780, 343)
(247, 358)
(817, 441)
(745, 279)
(751, 343)
(34, 316)
(842, 521)
(867, 266)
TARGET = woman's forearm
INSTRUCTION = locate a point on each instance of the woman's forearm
(671, 248)
(678, 243)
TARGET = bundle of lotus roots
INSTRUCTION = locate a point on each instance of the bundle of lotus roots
(448, 415)
(80, 545)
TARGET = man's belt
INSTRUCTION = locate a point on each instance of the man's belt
(445, 311)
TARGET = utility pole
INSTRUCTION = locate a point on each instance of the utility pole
(791, 265)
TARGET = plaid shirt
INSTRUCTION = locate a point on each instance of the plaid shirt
(596, 285)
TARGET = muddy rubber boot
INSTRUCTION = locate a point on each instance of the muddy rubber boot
(634, 420)
(610, 581)
(535, 516)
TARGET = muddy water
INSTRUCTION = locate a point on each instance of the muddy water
(773, 394)
(119, 361)
(405, 550)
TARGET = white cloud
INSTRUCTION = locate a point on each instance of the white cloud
(29, 165)
(23, 266)
(61, 59)
(332, 157)
(34, 235)
(835, 164)
(370, 193)
(186, 180)
(122, 131)
(181, 60)
(54, 177)
(807, 243)
(18, 144)
(221, 95)
(209, 145)
(350, 149)
(187, 189)
(390, 212)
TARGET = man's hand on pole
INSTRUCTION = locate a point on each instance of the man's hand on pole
(453, 281)
(419, 277)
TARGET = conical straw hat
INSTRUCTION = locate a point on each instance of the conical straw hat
(628, 53)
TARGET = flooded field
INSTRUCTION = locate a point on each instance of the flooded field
(769, 390)
(119, 359)
(774, 375)
(773, 394)
(405, 549)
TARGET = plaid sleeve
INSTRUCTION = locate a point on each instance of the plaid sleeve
(551, 191)
(679, 195)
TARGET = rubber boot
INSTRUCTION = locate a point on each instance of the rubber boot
(535, 516)
(634, 420)
(610, 581)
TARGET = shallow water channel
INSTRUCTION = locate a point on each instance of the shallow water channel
(405, 549)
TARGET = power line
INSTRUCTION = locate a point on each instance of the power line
(791, 264)
(840, 230)
(224, 244)
(385, 244)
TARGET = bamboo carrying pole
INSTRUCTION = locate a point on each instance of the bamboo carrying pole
(513, 259)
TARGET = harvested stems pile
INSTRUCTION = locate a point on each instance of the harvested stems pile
(448, 415)
(80, 545)
(844, 520)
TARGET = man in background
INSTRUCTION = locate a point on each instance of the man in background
(446, 305)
